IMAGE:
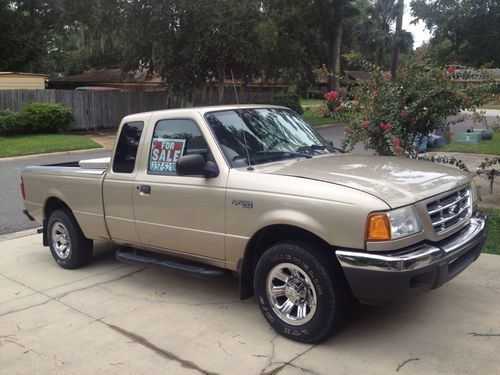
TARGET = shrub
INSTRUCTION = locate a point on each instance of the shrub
(45, 118)
(9, 123)
(290, 100)
(389, 114)
(316, 95)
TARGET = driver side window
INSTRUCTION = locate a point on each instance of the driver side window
(171, 140)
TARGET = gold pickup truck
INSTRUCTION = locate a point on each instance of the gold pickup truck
(254, 190)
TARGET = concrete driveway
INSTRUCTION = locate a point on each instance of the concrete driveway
(114, 318)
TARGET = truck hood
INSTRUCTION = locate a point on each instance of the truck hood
(397, 181)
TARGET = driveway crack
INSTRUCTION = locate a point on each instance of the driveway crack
(164, 353)
(67, 293)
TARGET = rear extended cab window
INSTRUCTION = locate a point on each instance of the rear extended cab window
(126, 148)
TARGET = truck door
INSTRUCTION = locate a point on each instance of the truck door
(119, 184)
(183, 214)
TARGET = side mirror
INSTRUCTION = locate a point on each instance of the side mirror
(195, 165)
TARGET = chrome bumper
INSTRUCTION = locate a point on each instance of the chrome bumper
(382, 278)
(419, 257)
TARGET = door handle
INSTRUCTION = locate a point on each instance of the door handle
(144, 189)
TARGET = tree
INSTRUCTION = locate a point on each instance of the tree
(463, 30)
(25, 34)
(290, 43)
(190, 42)
(374, 36)
(397, 37)
(389, 114)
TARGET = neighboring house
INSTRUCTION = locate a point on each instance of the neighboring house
(22, 81)
(466, 76)
(110, 78)
(141, 81)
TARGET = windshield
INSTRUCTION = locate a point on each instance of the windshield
(268, 134)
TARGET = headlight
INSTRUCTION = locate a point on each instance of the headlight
(391, 225)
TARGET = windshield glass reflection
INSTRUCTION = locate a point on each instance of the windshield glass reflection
(267, 134)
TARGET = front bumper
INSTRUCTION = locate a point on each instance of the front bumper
(381, 278)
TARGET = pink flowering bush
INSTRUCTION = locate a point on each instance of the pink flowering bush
(333, 104)
(332, 96)
(388, 115)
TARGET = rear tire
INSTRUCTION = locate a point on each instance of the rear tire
(69, 247)
(301, 290)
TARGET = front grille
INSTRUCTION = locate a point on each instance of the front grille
(450, 210)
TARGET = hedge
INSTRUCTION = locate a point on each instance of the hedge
(290, 100)
(36, 118)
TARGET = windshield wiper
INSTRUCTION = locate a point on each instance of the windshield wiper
(314, 147)
(273, 156)
(290, 153)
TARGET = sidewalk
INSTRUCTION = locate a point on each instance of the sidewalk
(105, 139)
(115, 318)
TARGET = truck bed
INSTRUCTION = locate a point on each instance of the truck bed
(79, 188)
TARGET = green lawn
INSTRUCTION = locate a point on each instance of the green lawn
(493, 242)
(315, 120)
(491, 106)
(313, 113)
(309, 102)
(491, 147)
(43, 143)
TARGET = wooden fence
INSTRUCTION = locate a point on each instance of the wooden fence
(105, 109)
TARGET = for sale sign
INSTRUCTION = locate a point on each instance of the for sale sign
(165, 153)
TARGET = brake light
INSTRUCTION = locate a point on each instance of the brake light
(23, 193)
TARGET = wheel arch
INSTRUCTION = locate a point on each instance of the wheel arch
(261, 241)
(52, 204)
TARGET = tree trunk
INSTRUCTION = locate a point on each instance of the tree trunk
(397, 43)
(380, 55)
(221, 76)
(335, 44)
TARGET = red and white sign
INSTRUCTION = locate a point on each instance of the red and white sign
(165, 153)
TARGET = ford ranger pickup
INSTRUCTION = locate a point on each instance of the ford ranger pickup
(254, 190)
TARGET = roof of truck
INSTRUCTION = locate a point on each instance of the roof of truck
(200, 110)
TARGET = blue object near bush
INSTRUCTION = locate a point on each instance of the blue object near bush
(423, 145)
(485, 133)
(472, 138)
(436, 141)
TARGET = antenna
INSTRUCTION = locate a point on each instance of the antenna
(250, 168)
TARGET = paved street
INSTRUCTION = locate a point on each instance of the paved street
(115, 318)
(11, 217)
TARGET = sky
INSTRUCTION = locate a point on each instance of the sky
(420, 33)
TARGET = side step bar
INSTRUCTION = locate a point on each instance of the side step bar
(134, 256)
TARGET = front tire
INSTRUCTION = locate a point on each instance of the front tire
(301, 290)
(69, 247)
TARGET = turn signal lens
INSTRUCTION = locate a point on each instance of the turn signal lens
(378, 228)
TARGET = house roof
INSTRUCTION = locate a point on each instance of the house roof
(23, 74)
(111, 76)
(359, 75)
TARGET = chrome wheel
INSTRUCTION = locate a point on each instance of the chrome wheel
(291, 294)
(60, 240)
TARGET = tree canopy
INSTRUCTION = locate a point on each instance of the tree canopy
(467, 31)
(190, 42)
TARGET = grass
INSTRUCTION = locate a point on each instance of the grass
(491, 106)
(316, 120)
(43, 143)
(490, 147)
(493, 241)
(309, 102)
(313, 113)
